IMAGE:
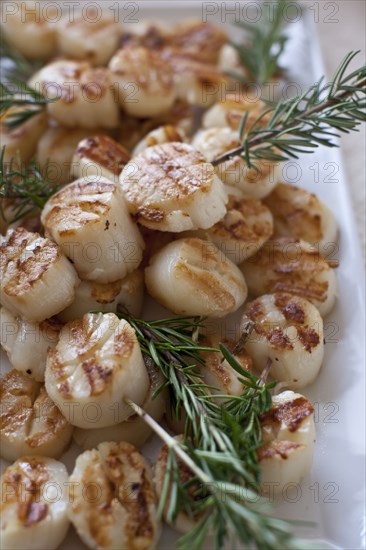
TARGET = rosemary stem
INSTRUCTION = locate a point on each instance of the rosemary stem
(170, 442)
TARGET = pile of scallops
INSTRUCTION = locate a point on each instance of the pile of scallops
(143, 211)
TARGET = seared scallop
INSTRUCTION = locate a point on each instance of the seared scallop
(37, 280)
(94, 39)
(30, 27)
(302, 215)
(288, 431)
(31, 424)
(119, 510)
(292, 266)
(34, 499)
(83, 95)
(171, 187)
(198, 40)
(192, 277)
(96, 365)
(90, 222)
(143, 82)
(100, 156)
(289, 331)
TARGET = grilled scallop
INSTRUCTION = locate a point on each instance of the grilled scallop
(254, 183)
(247, 225)
(162, 134)
(183, 522)
(20, 142)
(134, 430)
(114, 504)
(288, 432)
(37, 280)
(192, 277)
(293, 266)
(301, 215)
(31, 424)
(55, 152)
(171, 187)
(231, 108)
(90, 222)
(142, 81)
(96, 365)
(288, 330)
(89, 296)
(100, 156)
(34, 501)
(198, 41)
(30, 28)
(94, 39)
(27, 343)
(83, 95)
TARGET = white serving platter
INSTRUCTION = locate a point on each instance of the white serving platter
(333, 495)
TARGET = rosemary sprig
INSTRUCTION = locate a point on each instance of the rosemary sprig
(23, 188)
(263, 46)
(301, 124)
(219, 445)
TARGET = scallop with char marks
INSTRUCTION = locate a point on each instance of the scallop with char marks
(100, 156)
(121, 509)
(31, 424)
(89, 220)
(30, 28)
(93, 38)
(302, 215)
(289, 331)
(171, 187)
(33, 504)
(142, 81)
(288, 431)
(83, 95)
(193, 277)
(37, 280)
(96, 365)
